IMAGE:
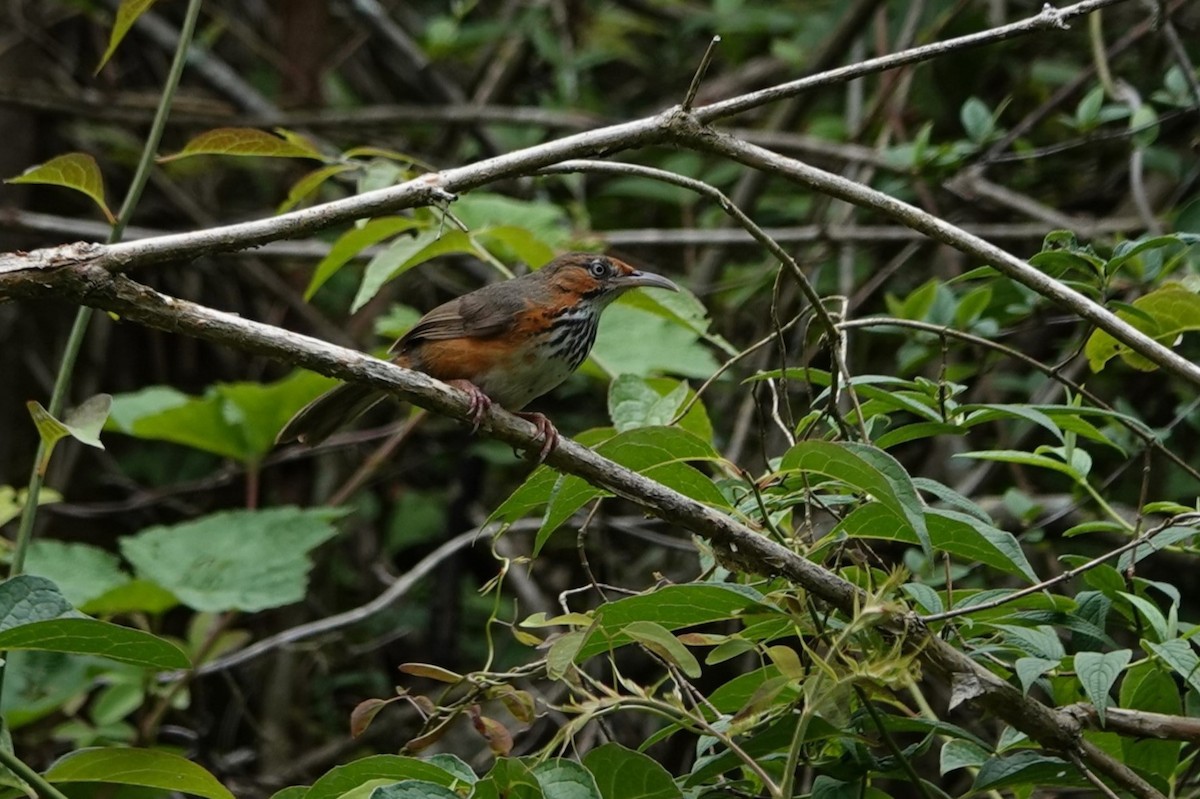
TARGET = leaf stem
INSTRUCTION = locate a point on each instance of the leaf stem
(35, 780)
(84, 315)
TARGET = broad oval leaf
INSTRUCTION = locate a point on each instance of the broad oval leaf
(622, 773)
(342, 779)
(353, 242)
(148, 768)
(1173, 309)
(566, 779)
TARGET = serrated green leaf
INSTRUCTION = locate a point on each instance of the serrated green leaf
(1097, 672)
(148, 768)
(78, 171)
(81, 572)
(237, 560)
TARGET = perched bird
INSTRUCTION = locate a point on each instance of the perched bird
(507, 343)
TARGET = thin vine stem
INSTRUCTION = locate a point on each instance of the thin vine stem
(83, 316)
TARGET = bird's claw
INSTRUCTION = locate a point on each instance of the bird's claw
(546, 430)
(480, 403)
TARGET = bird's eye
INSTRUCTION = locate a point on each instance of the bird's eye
(598, 268)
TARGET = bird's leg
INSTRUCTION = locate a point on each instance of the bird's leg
(546, 430)
(480, 402)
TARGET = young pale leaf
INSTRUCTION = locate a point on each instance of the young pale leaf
(1174, 310)
(239, 560)
(147, 768)
(248, 142)
(127, 14)
(976, 120)
(622, 773)
(12, 501)
(78, 171)
(1097, 672)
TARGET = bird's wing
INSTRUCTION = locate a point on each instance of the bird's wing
(480, 314)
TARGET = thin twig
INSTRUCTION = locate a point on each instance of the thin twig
(705, 60)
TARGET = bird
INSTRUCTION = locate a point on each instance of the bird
(505, 343)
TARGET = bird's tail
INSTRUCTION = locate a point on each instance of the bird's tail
(317, 420)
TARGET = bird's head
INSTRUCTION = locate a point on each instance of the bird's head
(598, 279)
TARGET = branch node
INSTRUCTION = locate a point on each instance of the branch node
(1054, 17)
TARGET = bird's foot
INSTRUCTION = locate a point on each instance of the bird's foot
(546, 430)
(480, 402)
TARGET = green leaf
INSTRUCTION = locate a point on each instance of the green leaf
(78, 171)
(82, 572)
(234, 420)
(621, 344)
(960, 534)
(1174, 310)
(565, 779)
(127, 14)
(309, 184)
(99, 638)
(248, 142)
(1025, 768)
(516, 243)
(872, 471)
(1143, 124)
(625, 774)
(1030, 669)
(976, 120)
(25, 599)
(1179, 655)
(1097, 672)
(1087, 113)
(547, 221)
(673, 607)
(343, 779)
(135, 596)
(404, 254)
(82, 423)
(958, 754)
(12, 501)
(1147, 686)
(149, 768)
(354, 241)
(413, 789)
(658, 453)
(509, 779)
(648, 402)
(659, 640)
(237, 560)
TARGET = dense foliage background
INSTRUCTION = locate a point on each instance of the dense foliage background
(986, 439)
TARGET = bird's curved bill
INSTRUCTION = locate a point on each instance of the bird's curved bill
(647, 279)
